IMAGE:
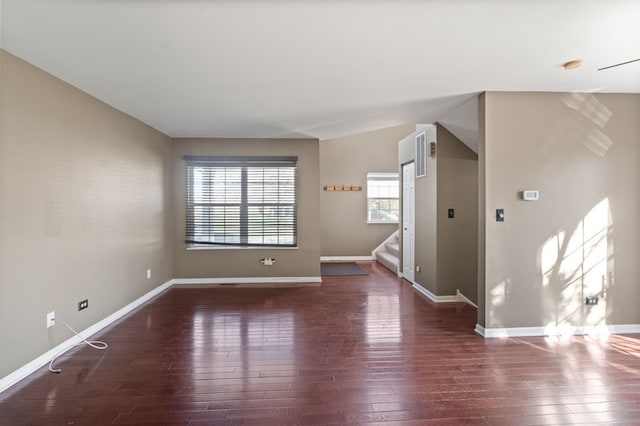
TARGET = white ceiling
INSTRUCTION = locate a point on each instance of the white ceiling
(325, 68)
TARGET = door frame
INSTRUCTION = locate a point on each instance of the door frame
(408, 213)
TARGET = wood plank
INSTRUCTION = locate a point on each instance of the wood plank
(356, 350)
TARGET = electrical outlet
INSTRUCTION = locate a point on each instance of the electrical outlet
(83, 304)
(148, 274)
(51, 319)
(591, 300)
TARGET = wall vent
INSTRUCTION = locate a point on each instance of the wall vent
(421, 154)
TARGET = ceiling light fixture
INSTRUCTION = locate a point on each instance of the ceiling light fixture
(572, 65)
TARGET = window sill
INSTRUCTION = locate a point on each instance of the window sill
(382, 223)
(208, 247)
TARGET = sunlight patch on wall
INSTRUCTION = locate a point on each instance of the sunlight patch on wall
(499, 292)
(579, 267)
(588, 105)
(499, 295)
(549, 256)
(596, 276)
(596, 112)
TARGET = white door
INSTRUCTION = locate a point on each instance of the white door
(408, 222)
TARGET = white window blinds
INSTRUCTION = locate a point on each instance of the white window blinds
(241, 201)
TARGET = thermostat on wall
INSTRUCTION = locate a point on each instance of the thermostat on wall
(530, 195)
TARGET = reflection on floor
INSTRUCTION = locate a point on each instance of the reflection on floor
(357, 350)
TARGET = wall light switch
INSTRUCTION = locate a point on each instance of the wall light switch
(450, 214)
(499, 215)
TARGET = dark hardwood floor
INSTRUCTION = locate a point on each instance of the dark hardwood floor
(357, 350)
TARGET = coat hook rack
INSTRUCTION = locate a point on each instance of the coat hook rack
(342, 188)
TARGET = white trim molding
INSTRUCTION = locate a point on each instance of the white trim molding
(431, 296)
(32, 366)
(458, 297)
(462, 298)
(345, 258)
(254, 282)
(63, 347)
(557, 330)
(480, 330)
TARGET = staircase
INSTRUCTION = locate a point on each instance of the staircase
(388, 253)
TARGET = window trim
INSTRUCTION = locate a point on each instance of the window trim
(380, 177)
(244, 163)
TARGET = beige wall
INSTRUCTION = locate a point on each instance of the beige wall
(346, 161)
(85, 196)
(303, 261)
(457, 244)
(582, 238)
(445, 249)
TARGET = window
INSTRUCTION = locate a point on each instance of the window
(241, 201)
(383, 198)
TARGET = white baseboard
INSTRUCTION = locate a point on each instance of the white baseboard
(345, 258)
(45, 358)
(557, 330)
(459, 297)
(462, 298)
(433, 297)
(251, 281)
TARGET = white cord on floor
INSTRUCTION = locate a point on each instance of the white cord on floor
(96, 344)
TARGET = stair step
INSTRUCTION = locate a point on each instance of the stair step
(388, 253)
(393, 248)
(388, 259)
